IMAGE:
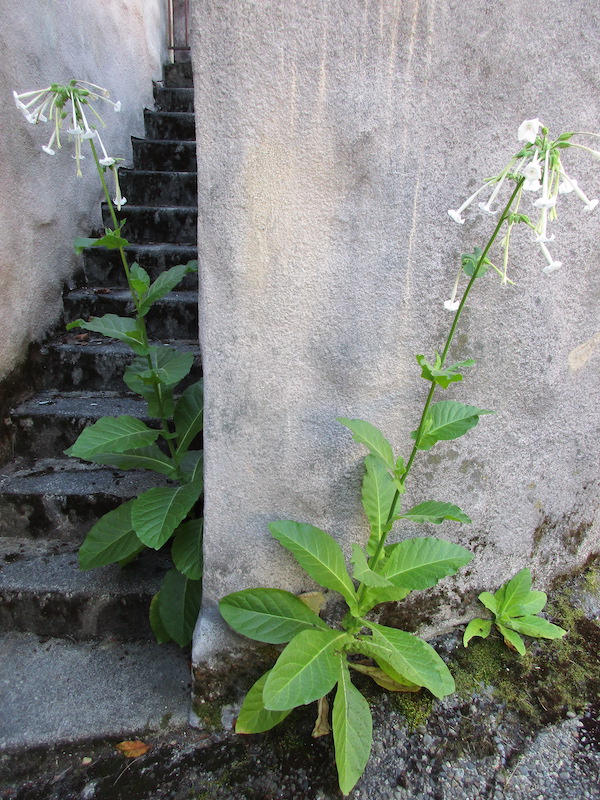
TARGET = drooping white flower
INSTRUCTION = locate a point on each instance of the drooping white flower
(552, 264)
(118, 200)
(451, 305)
(455, 214)
(533, 170)
(528, 130)
(590, 205)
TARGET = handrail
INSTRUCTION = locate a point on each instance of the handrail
(178, 23)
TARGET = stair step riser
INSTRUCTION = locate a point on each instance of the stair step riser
(104, 267)
(178, 75)
(174, 99)
(173, 317)
(91, 367)
(156, 225)
(175, 126)
(164, 156)
(152, 188)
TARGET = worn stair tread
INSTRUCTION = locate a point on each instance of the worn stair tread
(169, 98)
(104, 267)
(173, 125)
(49, 595)
(57, 691)
(164, 155)
(91, 405)
(159, 189)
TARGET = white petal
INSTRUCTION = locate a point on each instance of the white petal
(486, 209)
(451, 305)
(532, 186)
(455, 215)
(591, 205)
(552, 267)
(107, 162)
(528, 130)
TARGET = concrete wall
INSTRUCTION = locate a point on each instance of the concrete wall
(118, 44)
(332, 139)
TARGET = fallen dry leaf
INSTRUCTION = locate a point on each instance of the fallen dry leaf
(322, 726)
(314, 600)
(133, 749)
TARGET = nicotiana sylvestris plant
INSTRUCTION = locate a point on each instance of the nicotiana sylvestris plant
(166, 512)
(318, 657)
(516, 611)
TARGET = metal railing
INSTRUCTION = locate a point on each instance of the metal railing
(178, 26)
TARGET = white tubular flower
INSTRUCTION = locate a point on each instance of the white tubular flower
(541, 231)
(546, 200)
(451, 305)
(590, 205)
(528, 130)
(118, 200)
(533, 170)
(106, 161)
(455, 214)
(552, 264)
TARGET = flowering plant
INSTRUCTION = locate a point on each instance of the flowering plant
(318, 656)
(164, 513)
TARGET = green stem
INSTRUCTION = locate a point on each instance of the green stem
(374, 559)
(140, 318)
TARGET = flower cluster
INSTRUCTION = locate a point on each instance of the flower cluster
(68, 104)
(537, 168)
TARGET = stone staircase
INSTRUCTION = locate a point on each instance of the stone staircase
(48, 501)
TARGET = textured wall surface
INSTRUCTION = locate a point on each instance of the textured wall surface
(117, 44)
(332, 139)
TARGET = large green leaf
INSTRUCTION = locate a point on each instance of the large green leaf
(158, 512)
(111, 539)
(306, 670)
(253, 716)
(139, 279)
(110, 240)
(369, 435)
(477, 627)
(165, 282)
(511, 639)
(191, 467)
(179, 606)
(379, 492)
(124, 329)
(150, 457)
(413, 658)
(421, 562)
(186, 550)
(268, 615)
(318, 554)
(112, 435)
(374, 595)
(352, 731)
(188, 415)
(447, 420)
(432, 511)
(158, 629)
(532, 604)
(162, 365)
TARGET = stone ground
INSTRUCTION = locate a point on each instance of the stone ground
(516, 729)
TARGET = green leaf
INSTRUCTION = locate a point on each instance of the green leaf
(150, 457)
(124, 329)
(318, 554)
(447, 420)
(269, 615)
(111, 539)
(362, 572)
(489, 601)
(186, 550)
(111, 240)
(191, 467)
(477, 627)
(378, 493)
(306, 670)
(253, 716)
(352, 731)
(442, 377)
(140, 280)
(511, 639)
(165, 283)
(532, 604)
(168, 367)
(413, 658)
(158, 512)
(374, 595)
(516, 592)
(421, 562)
(80, 243)
(383, 679)
(158, 629)
(112, 435)
(471, 260)
(432, 511)
(532, 625)
(179, 606)
(188, 415)
(369, 435)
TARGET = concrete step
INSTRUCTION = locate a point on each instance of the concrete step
(60, 499)
(56, 691)
(89, 362)
(152, 225)
(164, 156)
(45, 592)
(175, 316)
(151, 188)
(173, 125)
(178, 75)
(103, 267)
(174, 99)
(47, 424)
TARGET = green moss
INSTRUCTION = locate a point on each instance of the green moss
(415, 707)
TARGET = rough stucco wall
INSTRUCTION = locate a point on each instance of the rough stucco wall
(118, 44)
(332, 139)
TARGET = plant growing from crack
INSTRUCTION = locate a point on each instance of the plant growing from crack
(319, 657)
(164, 513)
